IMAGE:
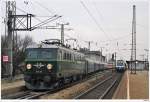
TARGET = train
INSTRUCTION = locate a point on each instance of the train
(121, 65)
(52, 64)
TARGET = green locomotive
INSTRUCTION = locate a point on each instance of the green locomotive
(50, 65)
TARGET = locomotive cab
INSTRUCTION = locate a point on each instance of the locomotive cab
(41, 67)
(120, 66)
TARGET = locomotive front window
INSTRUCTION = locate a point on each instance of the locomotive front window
(32, 54)
(46, 54)
(41, 53)
(119, 63)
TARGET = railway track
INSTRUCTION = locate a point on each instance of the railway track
(102, 90)
(28, 94)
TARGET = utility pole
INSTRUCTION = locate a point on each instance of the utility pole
(102, 49)
(89, 44)
(101, 53)
(62, 31)
(115, 59)
(133, 49)
(9, 35)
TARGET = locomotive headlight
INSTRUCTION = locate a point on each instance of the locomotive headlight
(49, 66)
(29, 66)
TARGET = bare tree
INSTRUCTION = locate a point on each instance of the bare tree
(19, 47)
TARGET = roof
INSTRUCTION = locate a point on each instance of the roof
(136, 61)
(42, 46)
(53, 46)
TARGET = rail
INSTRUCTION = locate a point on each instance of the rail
(100, 90)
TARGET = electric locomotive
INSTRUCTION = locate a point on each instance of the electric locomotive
(51, 65)
(120, 66)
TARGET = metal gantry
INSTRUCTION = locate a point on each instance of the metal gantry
(16, 23)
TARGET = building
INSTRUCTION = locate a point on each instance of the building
(94, 55)
(140, 65)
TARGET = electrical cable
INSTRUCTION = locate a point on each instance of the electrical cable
(45, 22)
(42, 6)
(95, 21)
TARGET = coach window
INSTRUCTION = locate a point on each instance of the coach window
(70, 56)
(64, 56)
(59, 55)
(67, 56)
(77, 57)
(74, 57)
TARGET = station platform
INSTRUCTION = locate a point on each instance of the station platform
(133, 86)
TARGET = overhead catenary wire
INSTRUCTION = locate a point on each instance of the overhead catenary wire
(95, 21)
(100, 15)
(25, 12)
(46, 21)
(98, 43)
(42, 6)
(98, 11)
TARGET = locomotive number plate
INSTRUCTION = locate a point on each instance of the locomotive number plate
(38, 71)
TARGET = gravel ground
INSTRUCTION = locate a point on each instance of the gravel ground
(139, 85)
(16, 78)
(12, 84)
(73, 91)
(12, 87)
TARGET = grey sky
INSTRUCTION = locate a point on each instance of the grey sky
(114, 17)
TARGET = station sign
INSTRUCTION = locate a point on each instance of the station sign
(5, 58)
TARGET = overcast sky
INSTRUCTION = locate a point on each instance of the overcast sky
(106, 22)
